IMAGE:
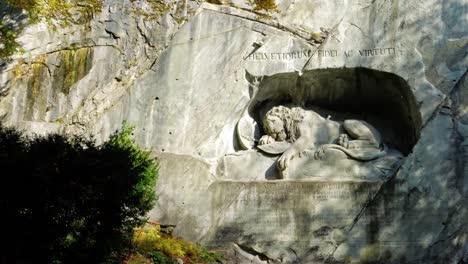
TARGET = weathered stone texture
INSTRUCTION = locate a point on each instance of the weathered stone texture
(185, 75)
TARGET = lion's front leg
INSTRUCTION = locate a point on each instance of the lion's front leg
(289, 154)
(348, 143)
(283, 161)
(343, 140)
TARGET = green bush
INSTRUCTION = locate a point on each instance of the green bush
(159, 258)
(68, 200)
(8, 41)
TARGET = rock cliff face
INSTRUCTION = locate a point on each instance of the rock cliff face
(185, 72)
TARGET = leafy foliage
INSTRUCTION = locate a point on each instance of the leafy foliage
(159, 258)
(9, 46)
(151, 242)
(70, 200)
(53, 12)
(59, 10)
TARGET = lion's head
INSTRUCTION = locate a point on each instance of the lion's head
(281, 122)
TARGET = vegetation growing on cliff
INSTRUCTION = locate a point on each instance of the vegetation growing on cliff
(158, 8)
(264, 5)
(8, 44)
(75, 64)
(56, 13)
(64, 12)
(216, 2)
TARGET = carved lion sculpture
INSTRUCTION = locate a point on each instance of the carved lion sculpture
(293, 131)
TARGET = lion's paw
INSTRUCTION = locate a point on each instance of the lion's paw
(343, 141)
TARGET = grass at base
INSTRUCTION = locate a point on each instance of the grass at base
(153, 246)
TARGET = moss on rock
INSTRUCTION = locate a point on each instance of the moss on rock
(158, 8)
(75, 64)
(63, 12)
(264, 5)
(36, 100)
(53, 12)
(44, 84)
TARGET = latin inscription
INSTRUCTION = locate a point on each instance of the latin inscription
(330, 53)
(377, 52)
(278, 210)
(270, 195)
(293, 55)
(317, 189)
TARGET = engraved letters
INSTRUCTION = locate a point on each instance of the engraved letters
(279, 56)
(330, 53)
(377, 52)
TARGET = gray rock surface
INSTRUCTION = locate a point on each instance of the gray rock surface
(185, 73)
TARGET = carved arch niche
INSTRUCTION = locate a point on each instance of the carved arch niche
(380, 98)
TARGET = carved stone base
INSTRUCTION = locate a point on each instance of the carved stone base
(333, 165)
(288, 220)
